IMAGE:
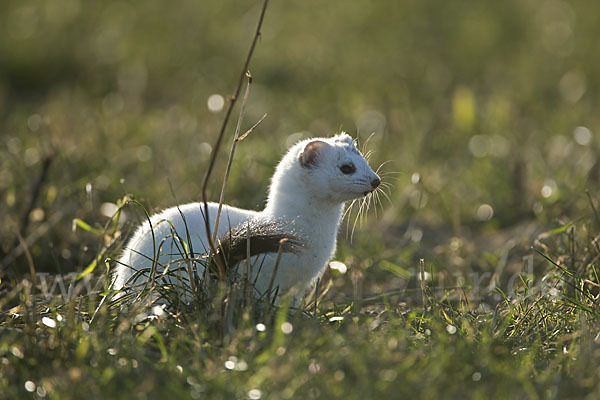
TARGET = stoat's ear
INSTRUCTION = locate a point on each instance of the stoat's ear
(308, 157)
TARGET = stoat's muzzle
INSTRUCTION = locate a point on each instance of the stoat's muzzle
(375, 181)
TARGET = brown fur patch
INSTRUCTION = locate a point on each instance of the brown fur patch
(308, 157)
(266, 237)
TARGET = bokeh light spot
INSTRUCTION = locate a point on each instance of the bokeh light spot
(215, 103)
(415, 178)
(548, 188)
(287, 328)
(582, 135)
(479, 145)
(143, 153)
(29, 386)
(338, 266)
(254, 394)
(572, 86)
(485, 212)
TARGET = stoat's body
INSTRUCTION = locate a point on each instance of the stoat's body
(306, 197)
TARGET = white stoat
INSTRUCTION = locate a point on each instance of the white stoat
(307, 195)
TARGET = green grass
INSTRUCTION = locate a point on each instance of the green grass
(542, 342)
(486, 111)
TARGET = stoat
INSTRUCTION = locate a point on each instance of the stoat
(306, 200)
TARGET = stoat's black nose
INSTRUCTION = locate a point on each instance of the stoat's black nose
(375, 182)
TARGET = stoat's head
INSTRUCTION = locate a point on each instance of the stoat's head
(334, 169)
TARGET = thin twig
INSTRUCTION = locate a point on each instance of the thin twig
(35, 194)
(37, 188)
(277, 261)
(30, 263)
(422, 272)
(249, 131)
(231, 153)
(217, 145)
(33, 237)
(316, 296)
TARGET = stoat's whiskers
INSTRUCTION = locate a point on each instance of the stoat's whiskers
(348, 209)
(372, 200)
(363, 146)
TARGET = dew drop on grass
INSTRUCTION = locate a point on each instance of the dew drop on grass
(41, 391)
(338, 266)
(34, 122)
(582, 135)
(108, 209)
(31, 156)
(416, 235)
(229, 364)
(261, 327)
(479, 145)
(36, 215)
(143, 153)
(254, 394)
(546, 191)
(314, 367)
(192, 381)
(392, 344)
(29, 386)
(14, 145)
(424, 276)
(17, 352)
(415, 178)
(49, 322)
(485, 212)
(159, 311)
(388, 375)
(548, 188)
(287, 328)
(204, 149)
(572, 86)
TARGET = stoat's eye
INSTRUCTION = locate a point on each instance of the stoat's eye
(348, 169)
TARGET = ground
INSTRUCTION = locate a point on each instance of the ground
(482, 114)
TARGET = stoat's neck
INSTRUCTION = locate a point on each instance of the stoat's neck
(316, 218)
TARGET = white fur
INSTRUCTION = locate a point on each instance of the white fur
(308, 198)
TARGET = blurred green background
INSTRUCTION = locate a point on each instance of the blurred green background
(486, 110)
